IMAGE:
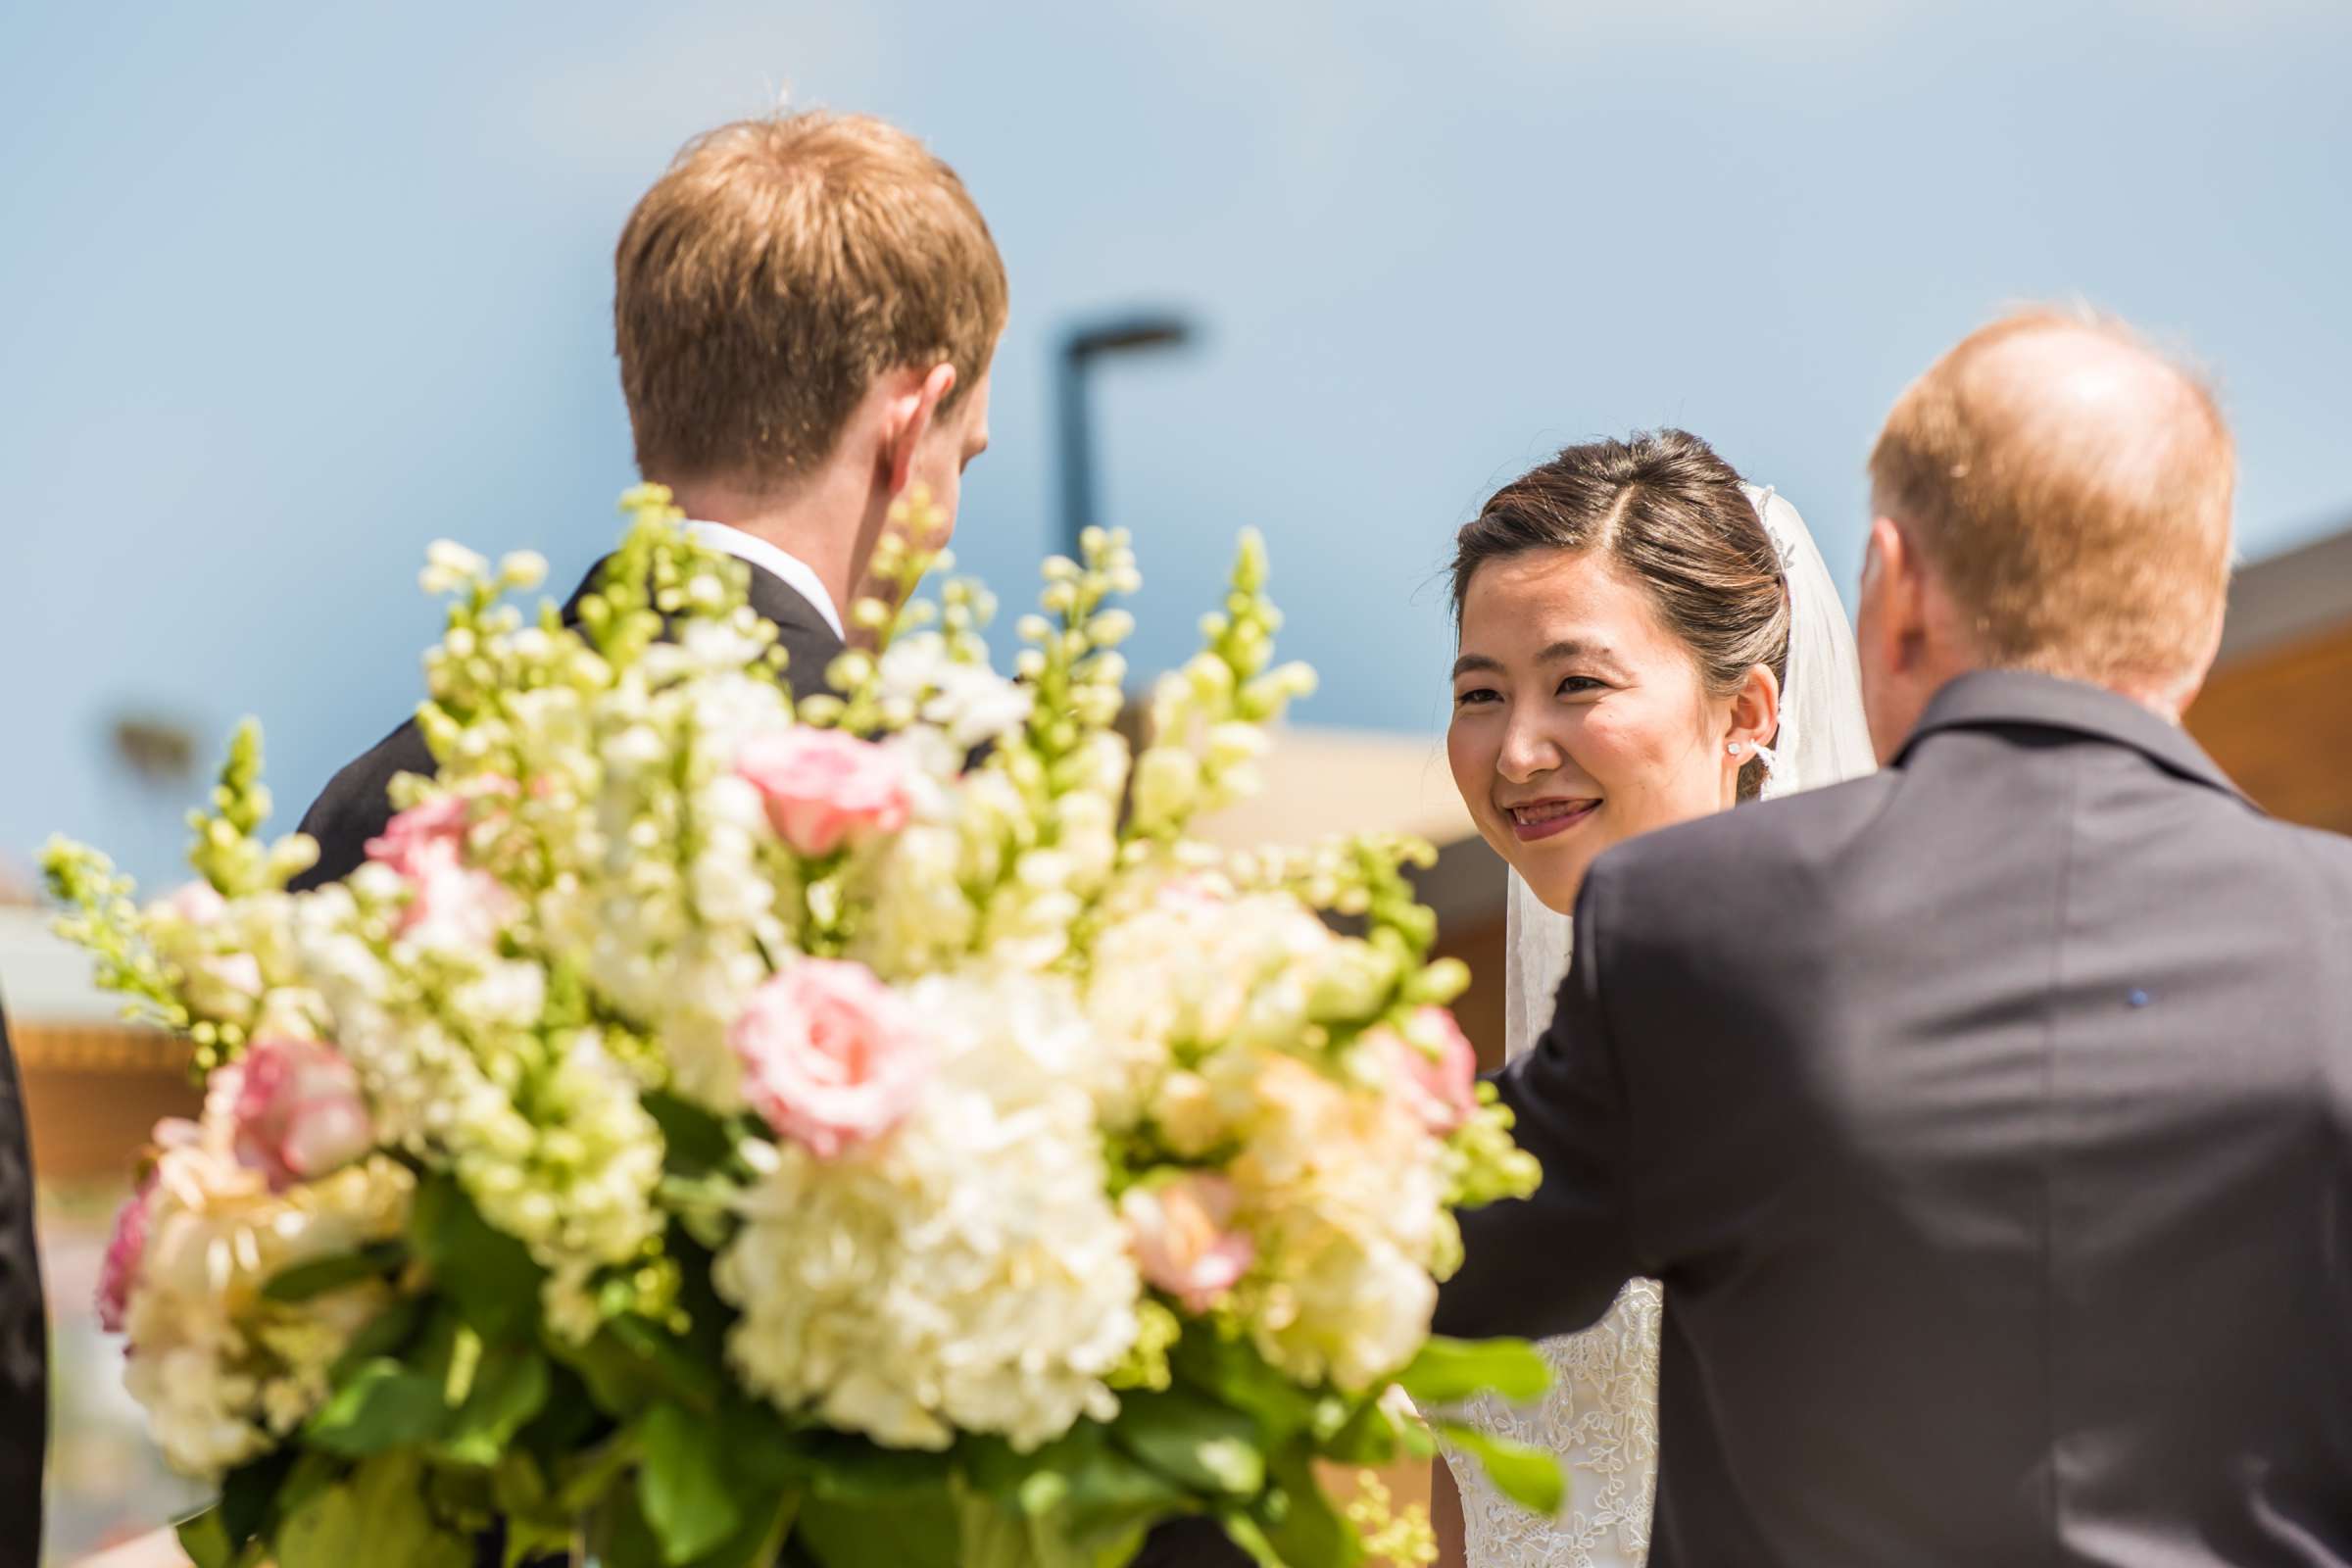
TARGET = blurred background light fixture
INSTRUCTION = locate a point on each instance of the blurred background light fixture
(1082, 345)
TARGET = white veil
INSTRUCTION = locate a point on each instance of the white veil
(1823, 739)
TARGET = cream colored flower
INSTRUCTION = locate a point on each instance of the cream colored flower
(224, 1373)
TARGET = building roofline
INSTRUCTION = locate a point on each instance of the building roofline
(2288, 597)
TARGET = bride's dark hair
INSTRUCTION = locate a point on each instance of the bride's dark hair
(1671, 514)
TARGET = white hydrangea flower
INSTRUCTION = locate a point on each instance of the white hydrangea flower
(967, 1272)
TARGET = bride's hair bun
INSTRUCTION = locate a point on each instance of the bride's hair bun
(1672, 513)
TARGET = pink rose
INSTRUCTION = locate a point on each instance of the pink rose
(1183, 1240)
(297, 1113)
(422, 837)
(830, 1056)
(450, 903)
(821, 787)
(120, 1268)
(1436, 1069)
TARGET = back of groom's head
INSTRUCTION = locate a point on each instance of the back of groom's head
(779, 266)
(2066, 493)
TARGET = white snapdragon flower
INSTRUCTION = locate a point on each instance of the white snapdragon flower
(918, 915)
(575, 1186)
(970, 704)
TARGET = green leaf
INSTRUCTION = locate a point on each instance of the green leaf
(487, 1273)
(617, 1380)
(583, 1479)
(376, 1519)
(518, 1486)
(682, 1485)
(1305, 1527)
(1529, 1476)
(510, 1386)
(1450, 1370)
(694, 1141)
(320, 1275)
(994, 1536)
(1209, 1447)
(387, 1334)
(759, 1540)
(383, 1406)
(620, 1537)
(205, 1539)
(249, 1495)
(856, 1471)
(1083, 1492)
(1369, 1437)
(1246, 1534)
(762, 1449)
(1232, 1372)
(313, 1473)
(671, 1361)
(568, 1422)
(917, 1531)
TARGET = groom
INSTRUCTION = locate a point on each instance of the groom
(1986, 1118)
(805, 306)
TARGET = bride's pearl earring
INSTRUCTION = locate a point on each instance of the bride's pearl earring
(1736, 748)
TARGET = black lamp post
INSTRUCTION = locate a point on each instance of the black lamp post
(1080, 349)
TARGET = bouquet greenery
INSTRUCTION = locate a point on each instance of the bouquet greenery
(876, 1130)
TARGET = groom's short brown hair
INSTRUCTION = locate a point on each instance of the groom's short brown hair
(777, 268)
(2090, 546)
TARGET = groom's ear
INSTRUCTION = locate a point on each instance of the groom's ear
(911, 410)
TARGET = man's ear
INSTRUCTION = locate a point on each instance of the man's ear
(1894, 598)
(910, 416)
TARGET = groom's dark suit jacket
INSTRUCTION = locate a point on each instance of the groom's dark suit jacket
(1988, 1122)
(354, 806)
(24, 1351)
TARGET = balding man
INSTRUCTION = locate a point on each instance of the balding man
(1990, 1119)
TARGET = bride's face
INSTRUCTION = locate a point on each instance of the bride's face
(1580, 719)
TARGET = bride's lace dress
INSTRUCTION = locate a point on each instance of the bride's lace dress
(1600, 1416)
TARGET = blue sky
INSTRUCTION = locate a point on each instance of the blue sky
(292, 289)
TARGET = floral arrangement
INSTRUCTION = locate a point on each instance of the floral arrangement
(705, 1128)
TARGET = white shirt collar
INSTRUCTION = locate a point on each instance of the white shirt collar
(796, 575)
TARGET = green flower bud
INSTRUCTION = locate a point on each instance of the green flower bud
(1353, 984)
(1167, 784)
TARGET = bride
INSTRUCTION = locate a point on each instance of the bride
(1644, 638)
